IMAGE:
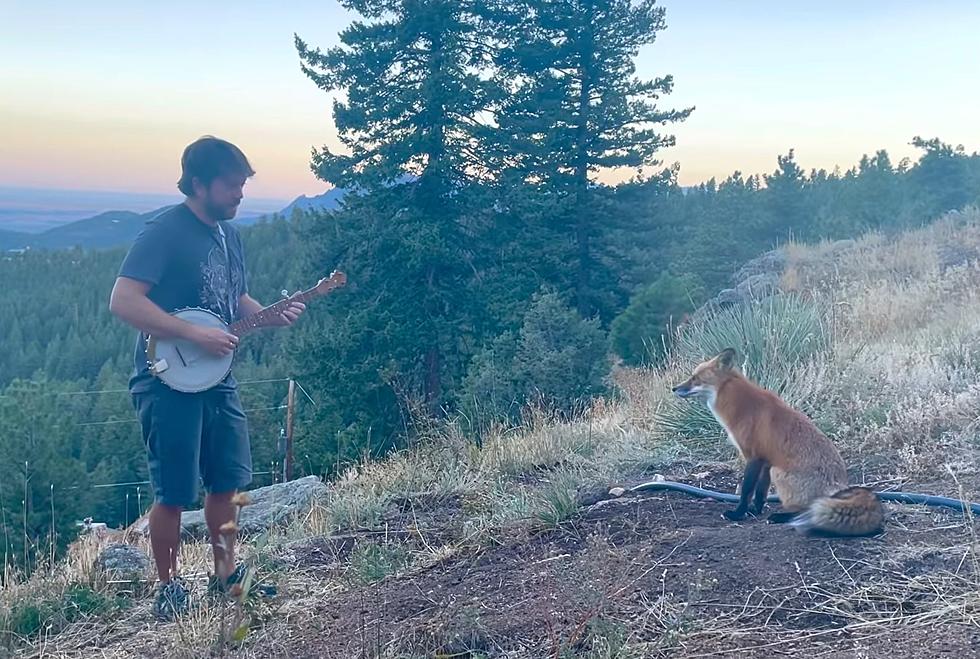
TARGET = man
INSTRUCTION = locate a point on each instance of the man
(191, 256)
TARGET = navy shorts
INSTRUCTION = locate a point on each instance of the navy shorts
(191, 438)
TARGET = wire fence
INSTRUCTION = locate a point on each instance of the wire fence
(136, 491)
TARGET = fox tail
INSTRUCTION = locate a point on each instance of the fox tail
(853, 511)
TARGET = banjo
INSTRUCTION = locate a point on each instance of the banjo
(185, 366)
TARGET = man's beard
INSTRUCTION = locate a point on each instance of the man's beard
(220, 213)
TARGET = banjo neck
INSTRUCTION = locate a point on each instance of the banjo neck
(269, 316)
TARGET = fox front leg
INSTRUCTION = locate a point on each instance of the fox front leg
(761, 491)
(749, 481)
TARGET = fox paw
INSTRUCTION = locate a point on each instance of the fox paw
(733, 515)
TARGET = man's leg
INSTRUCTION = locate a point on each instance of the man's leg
(165, 539)
(219, 510)
(171, 423)
(226, 466)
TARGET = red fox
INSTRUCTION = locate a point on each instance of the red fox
(782, 445)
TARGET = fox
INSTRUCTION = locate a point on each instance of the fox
(782, 447)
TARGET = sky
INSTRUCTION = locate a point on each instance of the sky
(104, 95)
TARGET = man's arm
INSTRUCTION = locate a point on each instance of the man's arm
(129, 303)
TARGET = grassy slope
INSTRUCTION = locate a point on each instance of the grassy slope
(509, 552)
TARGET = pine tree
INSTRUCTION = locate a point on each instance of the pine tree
(576, 109)
(786, 191)
(412, 121)
(413, 98)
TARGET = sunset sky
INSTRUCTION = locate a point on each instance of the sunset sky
(105, 95)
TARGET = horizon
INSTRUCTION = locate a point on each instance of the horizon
(832, 83)
(20, 193)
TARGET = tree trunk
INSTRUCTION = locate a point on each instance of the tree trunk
(581, 213)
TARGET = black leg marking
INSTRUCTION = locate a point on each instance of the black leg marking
(781, 518)
(749, 480)
(761, 491)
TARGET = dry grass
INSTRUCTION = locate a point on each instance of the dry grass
(895, 385)
(890, 605)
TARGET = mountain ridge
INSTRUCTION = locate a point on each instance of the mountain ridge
(115, 228)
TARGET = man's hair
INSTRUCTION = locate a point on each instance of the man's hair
(207, 159)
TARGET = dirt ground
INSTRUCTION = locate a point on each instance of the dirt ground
(663, 574)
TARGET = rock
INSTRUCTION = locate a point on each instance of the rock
(839, 246)
(272, 504)
(123, 562)
(772, 262)
(727, 297)
(758, 286)
(617, 492)
(590, 495)
(756, 280)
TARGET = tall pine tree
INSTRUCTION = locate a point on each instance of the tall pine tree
(413, 123)
(576, 108)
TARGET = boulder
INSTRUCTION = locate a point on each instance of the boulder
(955, 256)
(772, 262)
(758, 286)
(271, 505)
(757, 279)
(123, 562)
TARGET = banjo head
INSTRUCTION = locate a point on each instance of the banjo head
(183, 365)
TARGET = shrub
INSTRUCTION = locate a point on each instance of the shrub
(642, 334)
(557, 360)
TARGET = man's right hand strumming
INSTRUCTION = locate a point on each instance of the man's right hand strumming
(214, 340)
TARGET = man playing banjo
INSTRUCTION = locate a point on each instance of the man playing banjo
(191, 256)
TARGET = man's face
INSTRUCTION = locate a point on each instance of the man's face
(222, 197)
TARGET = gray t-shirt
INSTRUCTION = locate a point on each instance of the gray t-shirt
(183, 261)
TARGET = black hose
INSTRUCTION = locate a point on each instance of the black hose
(929, 500)
(900, 497)
(695, 491)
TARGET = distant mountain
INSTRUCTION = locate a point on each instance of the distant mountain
(28, 220)
(104, 230)
(327, 201)
(115, 228)
(35, 210)
(13, 240)
(109, 229)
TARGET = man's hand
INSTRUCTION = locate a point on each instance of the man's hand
(213, 340)
(247, 306)
(290, 314)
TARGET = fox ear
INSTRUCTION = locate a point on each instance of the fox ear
(726, 358)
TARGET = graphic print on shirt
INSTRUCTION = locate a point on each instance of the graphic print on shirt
(214, 285)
